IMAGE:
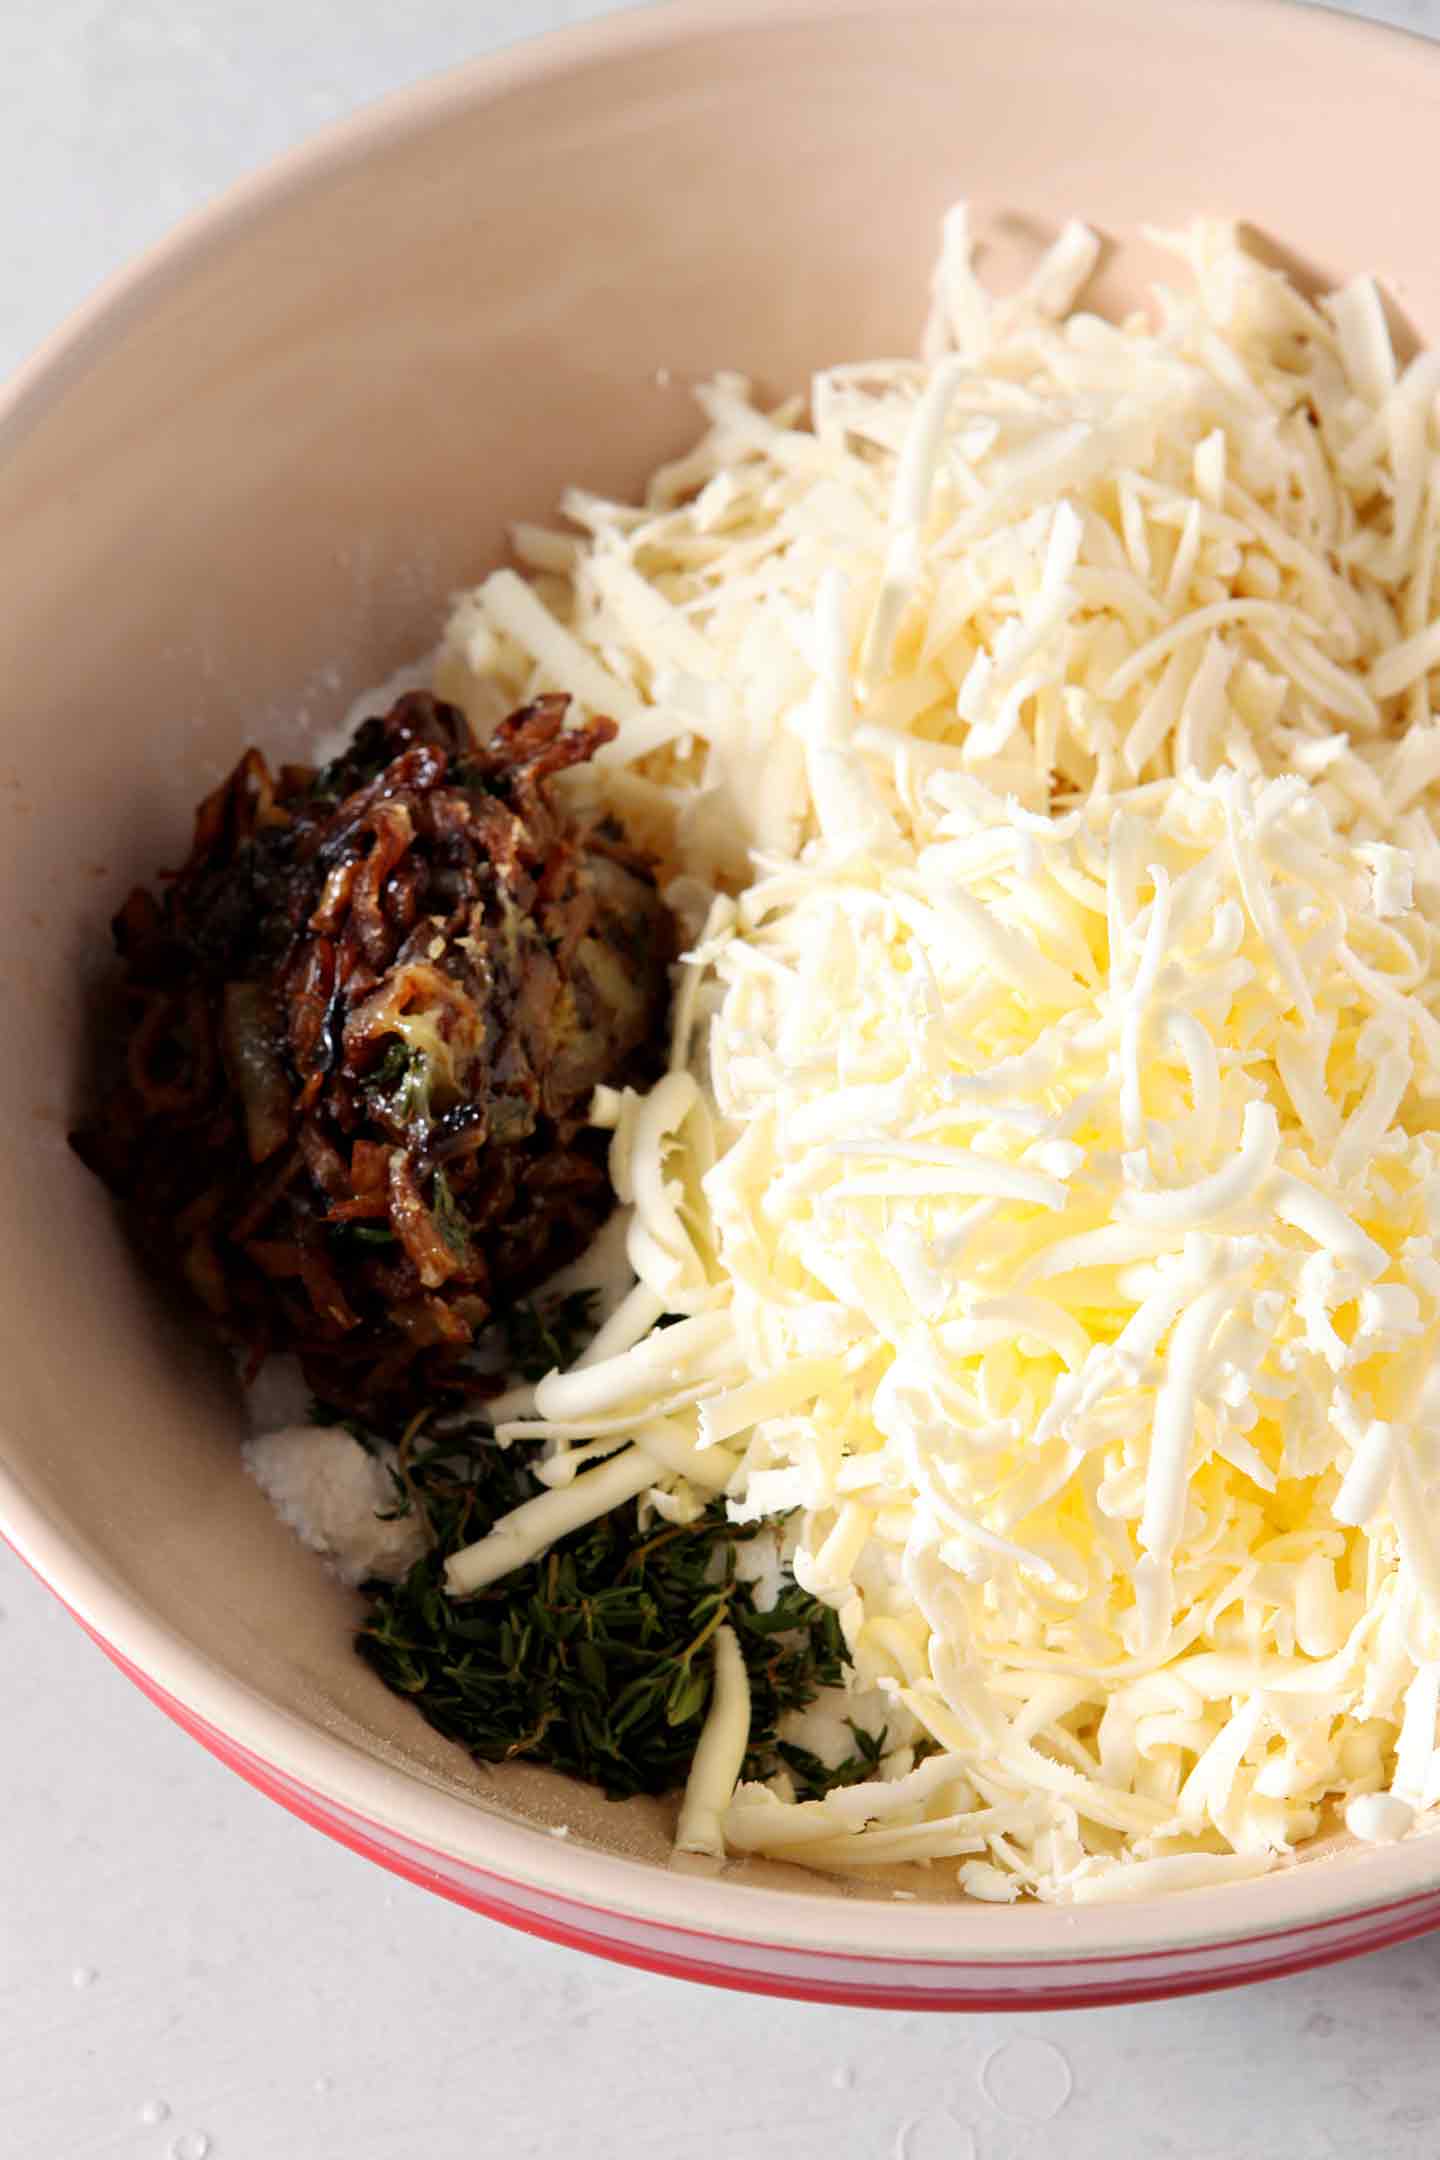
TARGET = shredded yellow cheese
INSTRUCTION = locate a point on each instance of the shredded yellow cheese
(1046, 1173)
(1077, 556)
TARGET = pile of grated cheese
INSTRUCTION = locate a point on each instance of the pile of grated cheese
(1078, 556)
(1044, 1176)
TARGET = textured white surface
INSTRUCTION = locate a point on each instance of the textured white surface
(188, 1974)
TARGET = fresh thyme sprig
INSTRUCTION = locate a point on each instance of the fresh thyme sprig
(543, 1334)
(594, 1659)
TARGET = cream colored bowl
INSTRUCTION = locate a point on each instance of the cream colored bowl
(242, 484)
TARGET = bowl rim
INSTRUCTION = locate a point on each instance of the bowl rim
(337, 1772)
(1087, 1982)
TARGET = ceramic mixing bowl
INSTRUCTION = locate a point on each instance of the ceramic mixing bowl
(241, 485)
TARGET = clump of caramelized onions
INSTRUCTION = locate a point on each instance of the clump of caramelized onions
(362, 1028)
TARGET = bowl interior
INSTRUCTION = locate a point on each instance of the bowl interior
(243, 485)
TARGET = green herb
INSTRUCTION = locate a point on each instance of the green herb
(401, 1084)
(392, 1068)
(361, 1233)
(449, 1221)
(324, 1413)
(594, 1659)
(814, 1778)
(539, 1337)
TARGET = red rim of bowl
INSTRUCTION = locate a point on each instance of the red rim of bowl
(1088, 1982)
(1392, 1924)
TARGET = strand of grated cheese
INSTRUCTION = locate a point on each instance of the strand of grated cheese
(719, 1753)
(1047, 1195)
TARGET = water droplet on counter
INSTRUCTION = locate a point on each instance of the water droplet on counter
(936, 2136)
(842, 2077)
(1028, 2079)
(154, 2111)
(324, 2084)
(191, 2145)
(84, 1976)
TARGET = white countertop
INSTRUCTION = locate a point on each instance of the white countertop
(186, 1973)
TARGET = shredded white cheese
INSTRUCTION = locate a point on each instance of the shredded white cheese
(1045, 1175)
(1075, 556)
(719, 1752)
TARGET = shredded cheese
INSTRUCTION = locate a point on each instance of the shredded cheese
(719, 1752)
(1045, 1171)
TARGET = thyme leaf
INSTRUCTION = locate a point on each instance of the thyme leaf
(595, 1659)
(813, 1778)
(449, 1220)
(541, 1336)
